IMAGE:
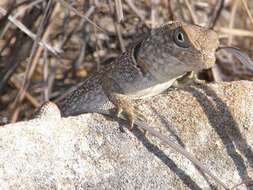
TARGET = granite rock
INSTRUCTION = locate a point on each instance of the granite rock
(213, 122)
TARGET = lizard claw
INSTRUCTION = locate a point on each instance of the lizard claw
(198, 81)
(132, 114)
(119, 111)
(125, 106)
(139, 115)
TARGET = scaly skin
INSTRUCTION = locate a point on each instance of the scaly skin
(145, 70)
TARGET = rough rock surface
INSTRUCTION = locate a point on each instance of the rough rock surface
(91, 151)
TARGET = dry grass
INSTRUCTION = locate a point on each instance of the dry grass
(47, 46)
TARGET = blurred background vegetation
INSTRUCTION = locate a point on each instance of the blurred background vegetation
(47, 46)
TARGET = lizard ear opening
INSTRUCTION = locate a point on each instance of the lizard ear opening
(137, 60)
(136, 50)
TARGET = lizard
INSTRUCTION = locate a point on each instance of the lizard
(167, 53)
(148, 68)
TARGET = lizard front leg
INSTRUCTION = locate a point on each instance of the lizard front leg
(122, 102)
(188, 79)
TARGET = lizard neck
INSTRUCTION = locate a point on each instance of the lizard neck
(161, 66)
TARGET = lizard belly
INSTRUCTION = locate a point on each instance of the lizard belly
(151, 91)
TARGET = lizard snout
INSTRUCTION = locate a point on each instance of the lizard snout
(209, 47)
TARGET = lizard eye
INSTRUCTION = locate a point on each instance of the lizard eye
(180, 38)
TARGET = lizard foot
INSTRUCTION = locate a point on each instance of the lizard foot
(131, 112)
(189, 79)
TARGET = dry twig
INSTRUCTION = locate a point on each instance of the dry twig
(67, 6)
(23, 28)
(247, 10)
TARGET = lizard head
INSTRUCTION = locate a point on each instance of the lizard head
(176, 48)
